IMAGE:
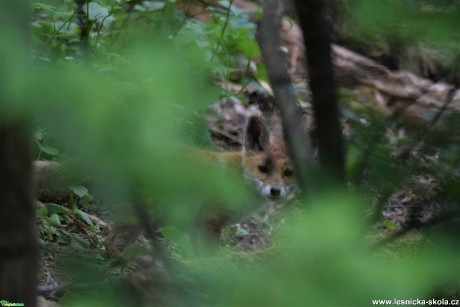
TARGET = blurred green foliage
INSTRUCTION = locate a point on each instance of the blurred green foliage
(124, 110)
(409, 21)
(321, 260)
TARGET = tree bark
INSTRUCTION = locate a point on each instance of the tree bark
(18, 245)
(322, 85)
(18, 238)
(295, 134)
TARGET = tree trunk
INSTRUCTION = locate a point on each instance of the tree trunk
(18, 245)
(322, 84)
(18, 238)
(297, 139)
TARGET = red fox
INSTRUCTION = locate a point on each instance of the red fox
(263, 161)
(264, 164)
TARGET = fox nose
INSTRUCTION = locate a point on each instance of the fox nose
(275, 192)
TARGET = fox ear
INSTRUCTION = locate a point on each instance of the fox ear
(256, 137)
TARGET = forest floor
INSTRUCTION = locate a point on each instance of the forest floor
(226, 121)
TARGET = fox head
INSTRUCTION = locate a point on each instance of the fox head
(266, 163)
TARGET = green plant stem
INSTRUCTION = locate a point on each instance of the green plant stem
(245, 76)
(222, 32)
(125, 22)
(67, 21)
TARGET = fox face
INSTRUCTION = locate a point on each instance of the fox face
(266, 163)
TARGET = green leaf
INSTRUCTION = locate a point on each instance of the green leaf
(39, 135)
(43, 213)
(80, 191)
(54, 220)
(48, 149)
(389, 225)
(247, 45)
(77, 241)
(65, 240)
(150, 6)
(55, 209)
(43, 6)
(84, 216)
(50, 231)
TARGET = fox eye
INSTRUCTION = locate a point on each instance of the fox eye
(263, 168)
(288, 173)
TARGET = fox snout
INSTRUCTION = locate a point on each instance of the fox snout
(276, 192)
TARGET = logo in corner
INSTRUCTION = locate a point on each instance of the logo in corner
(8, 304)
